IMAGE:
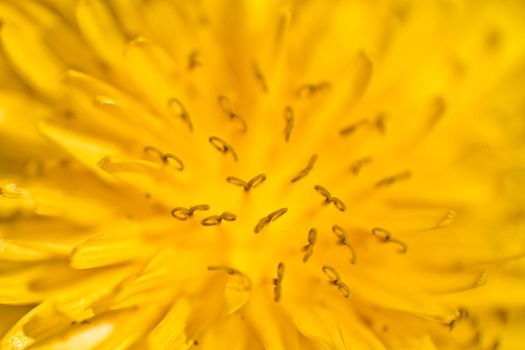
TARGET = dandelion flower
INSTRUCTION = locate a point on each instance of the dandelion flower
(262, 174)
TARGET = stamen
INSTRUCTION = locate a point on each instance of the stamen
(260, 77)
(388, 181)
(227, 107)
(289, 118)
(347, 131)
(223, 147)
(211, 220)
(335, 279)
(356, 167)
(179, 165)
(379, 123)
(277, 282)
(306, 170)
(343, 240)
(176, 106)
(165, 158)
(182, 214)
(153, 152)
(308, 90)
(386, 236)
(254, 182)
(217, 219)
(338, 203)
(309, 248)
(193, 60)
(269, 218)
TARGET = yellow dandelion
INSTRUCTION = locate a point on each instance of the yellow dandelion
(272, 174)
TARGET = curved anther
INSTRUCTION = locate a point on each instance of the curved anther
(289, 118)
(269, 218)
(356, 167)
(237, 181)
(180, 213)
(217, 219)
(227, 107)
(178, 108)
(165, 158)
(343, 240)
(277, 282)
(390, 180)
(335, 279)
(254, 182)
(386, 236)
(260, 77)
(347, 131)
(228, 216)
(223, 147)
(211, 220)
(153, 151)
(309, 248)
(324, 192)
(338, 203)
(169, 158)
(306, 170)
(382, 234)
(308, 90)
(331, 273)
(197, 207)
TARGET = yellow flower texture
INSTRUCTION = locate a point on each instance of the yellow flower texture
(251, 174)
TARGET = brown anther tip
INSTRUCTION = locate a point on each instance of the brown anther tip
(228, 216)
(180, 213)
(179, 164)
(211, 220)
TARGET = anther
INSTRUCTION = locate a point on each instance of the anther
(223, 147)
(309, 248)
(343, 240)
(168, 158)
(338, 203)
(269, 218)
(324, 192)
(165, 158)
(289, 118)
(193, 60)
(386, 236)
(178, 108)
(180, 213)
(347, 131)
(393, 179)
(202, 207)
(260, 77)
(153, 151)
(211, 220)
(217, 219)
(237, 182)
(356, 167)
(335, 279)
(228, 216)
(254, 182)
(308, 90)
(227, 107)
(382, 234)
(306, 171)
(380, 123)
(277, 282)
(331, 273)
